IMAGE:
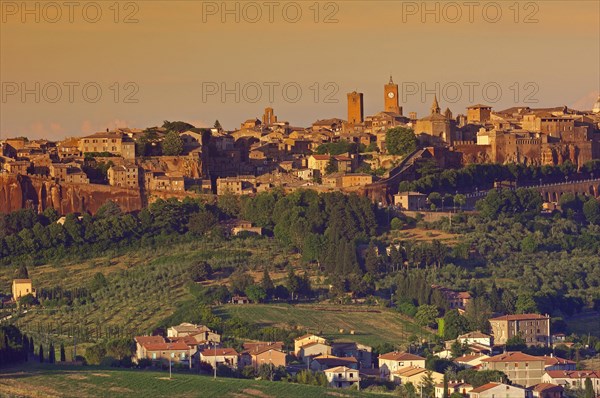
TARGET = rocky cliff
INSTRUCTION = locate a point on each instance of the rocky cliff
(19, 192)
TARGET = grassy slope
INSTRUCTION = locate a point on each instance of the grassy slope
(49, 381)
(146, 285)
(372, 328)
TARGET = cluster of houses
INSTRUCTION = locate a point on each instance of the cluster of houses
(346, 363)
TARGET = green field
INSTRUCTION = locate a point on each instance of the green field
(144, 286)
(371, 325)
(54, 381)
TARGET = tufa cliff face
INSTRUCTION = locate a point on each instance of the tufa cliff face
(20, 192)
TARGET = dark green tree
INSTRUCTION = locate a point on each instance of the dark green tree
(51, 353)
(63, 356)
(172, 144)
(589, 388)
(400, 141)
(201, 271)
(454, 325)
(267, 283)
(41, 353)
(21, 272)
(591, 210)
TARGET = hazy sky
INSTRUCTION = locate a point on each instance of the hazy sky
(172, 59)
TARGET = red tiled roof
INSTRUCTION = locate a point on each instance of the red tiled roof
(189, 340)
(330, 360)
(485, 387)
(258, 347)
(400, 356)
(211, 352)
(512, 356)
(520, 317)
(321, 157)
(176, 346)
(551, 361)
(342, 158)
(143, 340)
(312, 344)
(546, 386)
(573, 374)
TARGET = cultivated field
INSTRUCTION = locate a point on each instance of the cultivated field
(54, 381)
(371, 325)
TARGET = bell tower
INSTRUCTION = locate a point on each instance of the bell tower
(390, 93)
(355, 108)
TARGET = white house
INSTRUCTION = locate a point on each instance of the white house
(342, 377)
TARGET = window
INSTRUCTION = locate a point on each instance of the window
(351, 375)
(153, 355)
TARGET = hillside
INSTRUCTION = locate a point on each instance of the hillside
(144, 287)
(371, 325)
(54, 381)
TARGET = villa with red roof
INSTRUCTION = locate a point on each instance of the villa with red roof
(522, 369)
(573, 378)
(395, 360)
(156, 348)
(533, 328)
(220, 356)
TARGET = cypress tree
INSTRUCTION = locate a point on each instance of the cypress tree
(25, 348)
(63, 356)
(51, 354)
(31, 345)
(41, 353)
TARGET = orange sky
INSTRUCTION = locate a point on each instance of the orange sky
(175, 49)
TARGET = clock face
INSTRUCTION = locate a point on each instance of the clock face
(391, 95)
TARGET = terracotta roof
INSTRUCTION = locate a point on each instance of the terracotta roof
(343, 158)
(21, 280)
(551, 361)
(401, 356)
(321, 157)
(485, 387)
(143, 340)
(573, 374)
(512, 356)
(474, 335)
(312, 344)
(339, 369)
(409, 371)
(188, 340)
(326, 358)
(545, 387)
(176, 346)
(211, 352)
(520, 317)
(262, 346)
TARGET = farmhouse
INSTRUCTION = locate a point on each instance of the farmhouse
(342, 377)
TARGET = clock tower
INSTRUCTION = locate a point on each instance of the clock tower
(391, 98)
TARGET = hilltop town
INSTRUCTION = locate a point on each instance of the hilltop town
(437, 256)
(134, 166)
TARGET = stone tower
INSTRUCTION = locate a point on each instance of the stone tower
(355, 107)
(390, 93)
(269, 117)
